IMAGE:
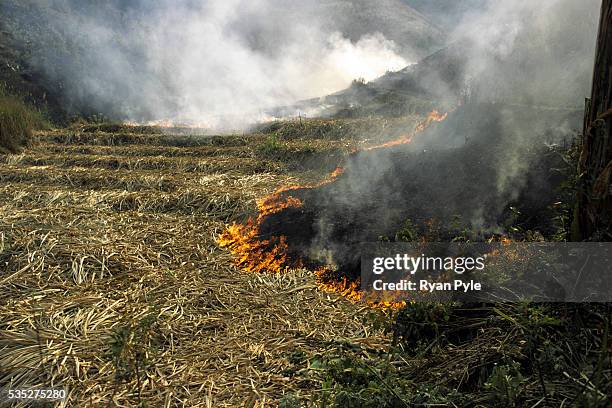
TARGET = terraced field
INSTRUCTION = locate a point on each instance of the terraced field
(112, 285)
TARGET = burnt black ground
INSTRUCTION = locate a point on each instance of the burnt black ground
(478, 169)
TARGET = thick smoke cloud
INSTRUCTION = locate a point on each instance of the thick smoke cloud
(534, 56)
(533, 52)
(218, 63)
(525, 70)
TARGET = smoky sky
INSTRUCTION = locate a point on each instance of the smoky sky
(528, 67)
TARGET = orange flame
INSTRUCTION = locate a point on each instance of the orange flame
(275, 203)
(344, 287)
(254, 254)
(351, 290)
(433, 117)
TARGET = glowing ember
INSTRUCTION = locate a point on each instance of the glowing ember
(252, 253)
(344, 287)
(336, 173)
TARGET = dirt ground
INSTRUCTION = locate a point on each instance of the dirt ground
(113, 288)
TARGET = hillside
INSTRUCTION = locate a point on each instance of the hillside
(524, 68)
(435, 82)
(151, 262)
(18, 78)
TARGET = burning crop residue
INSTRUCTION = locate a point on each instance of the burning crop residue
(252, 253)
(257, 252)
(330, 282)
(433, 117)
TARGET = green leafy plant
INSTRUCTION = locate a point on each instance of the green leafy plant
(408, 232)
(271, 146)
(506, 383)
(290, 401)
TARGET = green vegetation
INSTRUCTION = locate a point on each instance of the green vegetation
(320, 155)
(17, 121)
(408, 233)
(270, 146)
(521, 220)
(146, 183)
(323, 144)
(506, 355)
(477, 355)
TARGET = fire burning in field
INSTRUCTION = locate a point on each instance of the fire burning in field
(328, 281)
(254, 252)
(433, 117)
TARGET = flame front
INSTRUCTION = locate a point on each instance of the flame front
(252, 253)
(433, 117)
(327, 281)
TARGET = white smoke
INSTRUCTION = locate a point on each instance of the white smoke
(534, 59)
(533, 52)
(218, 63)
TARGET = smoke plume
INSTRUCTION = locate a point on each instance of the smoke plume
(526, 69)
(531, 52)
(213, 63)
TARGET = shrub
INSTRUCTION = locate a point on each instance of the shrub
(17, 121)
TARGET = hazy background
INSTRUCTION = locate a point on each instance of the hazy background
(226, 63)
(538, 52)
(519, 72)
(210, 61)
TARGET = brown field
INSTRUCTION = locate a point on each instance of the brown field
(112, 285)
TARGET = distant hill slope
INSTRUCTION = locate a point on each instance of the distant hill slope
(546, 64)
(18, 78)
(436, 82)
(413, 33)
(31, 50)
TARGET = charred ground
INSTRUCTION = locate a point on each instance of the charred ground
(468, 173)
(113, 284)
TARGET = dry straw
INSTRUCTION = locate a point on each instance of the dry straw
(112, 285)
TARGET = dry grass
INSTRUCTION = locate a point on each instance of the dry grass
(183, 164)
(112, 285)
